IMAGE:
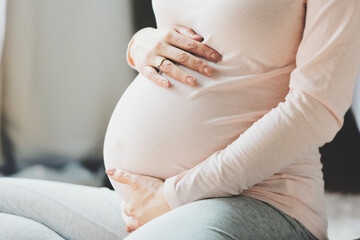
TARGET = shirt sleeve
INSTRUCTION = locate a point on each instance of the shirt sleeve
(129, 60)
(321, 89)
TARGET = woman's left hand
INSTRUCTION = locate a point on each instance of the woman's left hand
(148, 200)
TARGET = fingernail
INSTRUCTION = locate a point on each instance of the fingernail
(111, 171)
(164, 83)
(215, 56)
(198, 36)
(129, 229)
(190, 80)
(208, 71)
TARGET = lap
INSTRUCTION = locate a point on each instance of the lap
(82, 212)
(228, 218)
(72, 211)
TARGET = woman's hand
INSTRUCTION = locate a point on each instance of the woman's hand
(148, 200)
(177, 43)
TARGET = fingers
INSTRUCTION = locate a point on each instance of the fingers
(129, 228)
(129, 215)
(150, 73)
(124, 177)
(132, 225)
(188, 32)
(177, 73)
(187, 59)
(190, 45)
(129, 210)
(180, 45)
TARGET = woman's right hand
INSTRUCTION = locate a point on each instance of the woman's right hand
(176, 43)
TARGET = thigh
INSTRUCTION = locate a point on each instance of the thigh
(72, 211)
(20, 228)
(228, 218)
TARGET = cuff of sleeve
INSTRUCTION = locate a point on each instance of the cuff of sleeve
(169, 192)
(129, 60)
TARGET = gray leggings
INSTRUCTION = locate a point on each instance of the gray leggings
(38, 209)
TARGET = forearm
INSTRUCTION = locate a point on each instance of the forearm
(129, 59)
(279, 138)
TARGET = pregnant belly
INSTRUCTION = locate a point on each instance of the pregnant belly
(161, 132)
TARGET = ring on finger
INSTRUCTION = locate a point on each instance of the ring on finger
(160, 61)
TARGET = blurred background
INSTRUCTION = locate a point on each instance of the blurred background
(63, 69)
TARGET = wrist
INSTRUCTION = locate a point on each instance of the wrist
(129, 59)
(169, 192)
(166, 204)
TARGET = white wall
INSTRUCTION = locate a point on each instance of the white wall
(65, 70)
(2, 33)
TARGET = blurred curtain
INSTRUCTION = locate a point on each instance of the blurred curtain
(2, 33)
(64, 71)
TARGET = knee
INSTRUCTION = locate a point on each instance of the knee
(6, 189)
(16, 227)
(9, 185)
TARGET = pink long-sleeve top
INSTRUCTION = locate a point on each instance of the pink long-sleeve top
(281, 91)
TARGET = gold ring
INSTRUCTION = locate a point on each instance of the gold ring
(159, 62)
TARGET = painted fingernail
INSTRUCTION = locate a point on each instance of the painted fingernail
(190, 80)
(111, 171)
(208, 71)
(164, 83)
(215, 56)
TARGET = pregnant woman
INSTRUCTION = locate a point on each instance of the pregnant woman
(218, 136)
